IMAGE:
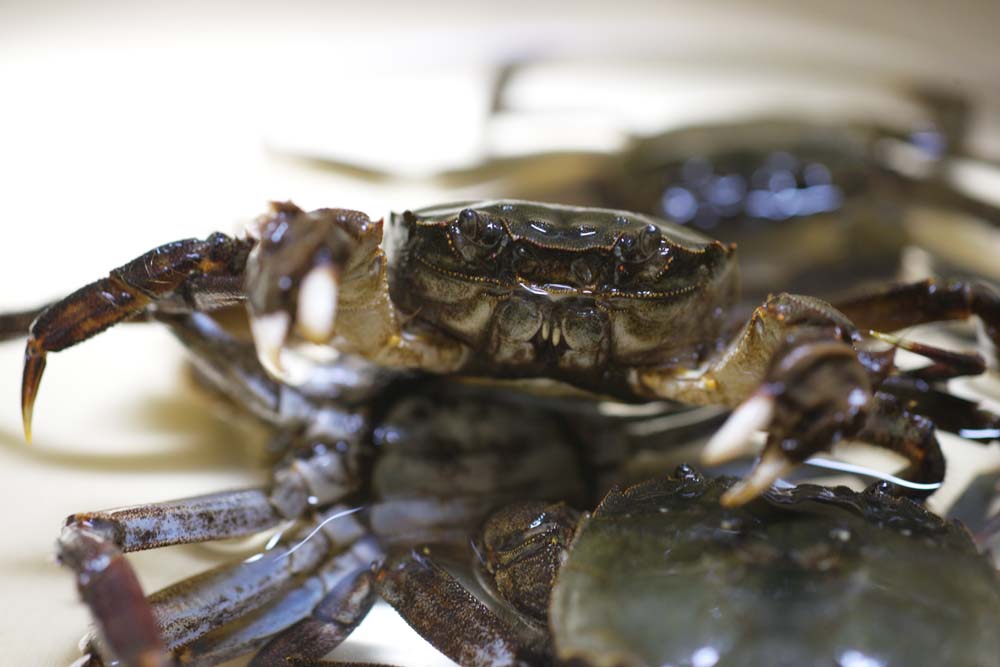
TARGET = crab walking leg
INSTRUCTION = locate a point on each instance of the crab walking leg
(345, 581)
(92, 544)
(906, 305)
(434, 604)
(329, 623)
(231, 367)
(949, 413)
(185, 275)
(191, 608)
(892, 426)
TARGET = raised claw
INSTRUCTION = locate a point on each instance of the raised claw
(294, 280)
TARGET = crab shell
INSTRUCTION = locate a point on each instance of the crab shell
(661, 574)
(533, 287)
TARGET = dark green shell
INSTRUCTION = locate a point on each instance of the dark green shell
(661, 574)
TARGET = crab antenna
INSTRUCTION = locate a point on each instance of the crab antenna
(34, 366)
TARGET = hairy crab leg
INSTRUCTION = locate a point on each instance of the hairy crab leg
(442, 611)
(949, 413)
(887, 425)
(909, 304)
(92, 543)
(185, 275)
(339, 575)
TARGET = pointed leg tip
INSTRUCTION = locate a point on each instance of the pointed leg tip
(34, 366)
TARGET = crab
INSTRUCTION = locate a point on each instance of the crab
(379, 462)
(661, 574)
(607, 302)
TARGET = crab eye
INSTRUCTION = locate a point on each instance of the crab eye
(649, 241)
(638, 248)
(475, 237)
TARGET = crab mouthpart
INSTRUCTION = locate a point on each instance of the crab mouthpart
(270, 332)
(317, 305)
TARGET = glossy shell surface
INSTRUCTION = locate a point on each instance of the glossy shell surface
(572, 293)
(662, 575)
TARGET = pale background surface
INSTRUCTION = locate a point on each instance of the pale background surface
(123, 127)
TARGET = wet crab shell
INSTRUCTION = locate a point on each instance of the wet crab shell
(660, 574)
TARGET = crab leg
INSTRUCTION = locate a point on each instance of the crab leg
(887, 425)
(330, 623)
(345, 580)
(949, 413)
(184, 275)
(906, 305)
(92, 545)
(434, 604)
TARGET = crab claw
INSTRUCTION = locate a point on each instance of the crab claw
(733, 439)
(317, 308)
(293, 280)
(772, 465)
(270, 332)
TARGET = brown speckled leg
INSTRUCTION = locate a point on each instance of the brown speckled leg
(140, 631)
(909, 304)
(444, 613)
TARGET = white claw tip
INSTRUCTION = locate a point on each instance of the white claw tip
(269, 334)
(317, 305)
(772, 465)
(733, 438)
